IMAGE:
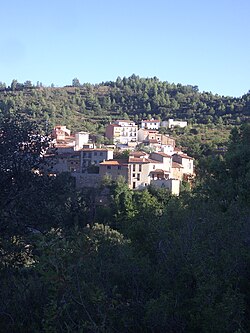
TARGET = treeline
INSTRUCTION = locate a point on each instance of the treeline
(93, 106)
(117, 260)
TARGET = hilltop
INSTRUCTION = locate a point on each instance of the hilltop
(91, 107)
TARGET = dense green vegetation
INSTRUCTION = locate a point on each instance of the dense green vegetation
(86, 106)
(143, 262)
(91, 107)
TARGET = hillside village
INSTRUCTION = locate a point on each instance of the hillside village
(141, 155)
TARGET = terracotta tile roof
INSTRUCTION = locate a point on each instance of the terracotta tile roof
(154, 161)
(138, 160)
(114, 162)
(176, 165)
(162, 154)
(138, 153)
(184, 156)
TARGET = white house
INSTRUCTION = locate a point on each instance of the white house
(171, 123)
(122, 131)
(81, 139)
(150, 124)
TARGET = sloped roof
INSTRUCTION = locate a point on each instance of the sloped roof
(176, 165)
(138, 153)
(184, 156)
(138, 160)
(162, 154)
(114, 162)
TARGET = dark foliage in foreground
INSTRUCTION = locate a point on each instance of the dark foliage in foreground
(147, 262)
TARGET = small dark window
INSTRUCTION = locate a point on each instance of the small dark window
(134, 183)
(109, 167)
(139, 167)
(133, 167)
(119, 167)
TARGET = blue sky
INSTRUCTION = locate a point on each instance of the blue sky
(198, 42)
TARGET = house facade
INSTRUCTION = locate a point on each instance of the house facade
(59, 132)
(93, 157)
(122, 131)
(165, 167)
(186, 162)
(59, 163)
(151, 124)
(114, 169)
(140, 169)
(171, 123)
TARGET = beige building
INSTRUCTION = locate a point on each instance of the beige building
(157, 168)
(152, 136)
(122, 131)
(187, 163)
(141, 169)
(177, 171)
(114, 169)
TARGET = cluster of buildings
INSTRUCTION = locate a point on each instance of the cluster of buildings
(127, 132)
(163, 165)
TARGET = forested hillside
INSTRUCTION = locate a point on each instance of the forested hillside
(143, 261)
(91, 107)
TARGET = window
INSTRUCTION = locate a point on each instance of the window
(89, 155)
(134, 184)
(95, 153)
(139, 167)
(109, 167)
(153, 166)
(133, 175)
(101, 153)
(119, 167)
(138, 176)
(133, 167)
